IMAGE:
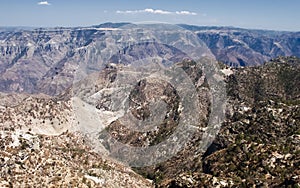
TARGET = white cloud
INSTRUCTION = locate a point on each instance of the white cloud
(184, 12)
(150, 10)
(44, 3)
(127, 11)
(156, 11)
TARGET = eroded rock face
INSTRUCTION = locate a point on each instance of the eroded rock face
(44, 60)
(238, 47)
(145, 93)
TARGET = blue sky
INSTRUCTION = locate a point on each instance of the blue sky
(263, 14)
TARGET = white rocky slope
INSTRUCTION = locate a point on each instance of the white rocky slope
(44, 145)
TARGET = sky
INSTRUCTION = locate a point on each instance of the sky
(254, 14)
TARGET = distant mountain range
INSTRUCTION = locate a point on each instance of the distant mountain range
(243, 47)
(34, 60)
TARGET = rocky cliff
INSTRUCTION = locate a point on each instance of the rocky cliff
(242, 47)
(44, 60)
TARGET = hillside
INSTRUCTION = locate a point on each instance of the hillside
(258, 143)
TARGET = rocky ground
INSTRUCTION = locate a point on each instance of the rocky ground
(30, 160)
(44, 143)
(258, 143)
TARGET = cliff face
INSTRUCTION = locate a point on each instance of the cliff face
(242, 47)
(44, 60)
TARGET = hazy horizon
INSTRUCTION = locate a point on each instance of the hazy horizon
(268, 14)
(96, 24)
